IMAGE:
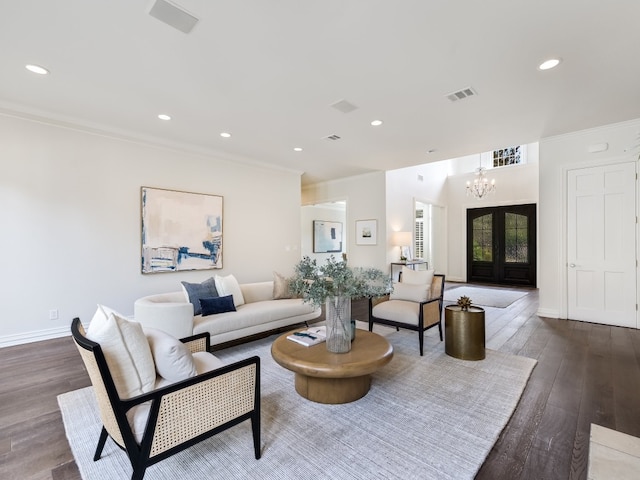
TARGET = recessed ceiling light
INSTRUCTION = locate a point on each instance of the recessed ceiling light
(37, 69)
(375, 123)
(548, 64)
(163, 116)
(225, 135)
(297, 149)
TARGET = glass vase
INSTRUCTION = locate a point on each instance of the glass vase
(338, 315)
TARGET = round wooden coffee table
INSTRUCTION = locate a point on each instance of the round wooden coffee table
(325, 377)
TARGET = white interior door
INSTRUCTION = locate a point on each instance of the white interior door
(601, 250)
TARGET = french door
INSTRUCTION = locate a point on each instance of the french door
(501, 245)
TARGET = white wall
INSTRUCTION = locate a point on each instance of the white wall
(516, 184)
(557, 156)
(444, 183)
(426, 183)
(70, 216)
(326, 213)
(365, 196)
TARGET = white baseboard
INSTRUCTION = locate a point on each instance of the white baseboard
(29, 337)
(548, 313)
(456, 279)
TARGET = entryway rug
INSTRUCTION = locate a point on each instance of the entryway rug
(486, 297)
(430, 417)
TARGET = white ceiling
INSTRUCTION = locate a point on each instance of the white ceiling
(268, 70)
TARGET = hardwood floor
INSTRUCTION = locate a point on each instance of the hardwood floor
(586, 373)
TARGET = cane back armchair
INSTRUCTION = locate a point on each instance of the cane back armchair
(216, 400)
(411, 309)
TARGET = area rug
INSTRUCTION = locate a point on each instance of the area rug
(430, 417)
(486, 297)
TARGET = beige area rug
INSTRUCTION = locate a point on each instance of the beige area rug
(485, 297)
(430, 417)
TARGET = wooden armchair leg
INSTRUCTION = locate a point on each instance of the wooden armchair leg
(101, 442)
(421, 333)
(255, 427)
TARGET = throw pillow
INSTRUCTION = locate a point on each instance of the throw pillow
(280, 287)
(410, 292)
(417, 277)
(196, 291)
(229, 286)
(172, 358)
(215, 305)
(126, 351)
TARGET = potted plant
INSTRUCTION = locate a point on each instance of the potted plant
(334, 284)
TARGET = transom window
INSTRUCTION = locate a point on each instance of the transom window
(507, 156)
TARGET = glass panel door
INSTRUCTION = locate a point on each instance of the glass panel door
(501, 245)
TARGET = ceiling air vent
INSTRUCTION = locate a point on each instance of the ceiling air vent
(461, 94)
(332, 137)
(344, 106)
(173, 15)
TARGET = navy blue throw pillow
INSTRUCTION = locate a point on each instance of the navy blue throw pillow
(196, 291)
(214, 305)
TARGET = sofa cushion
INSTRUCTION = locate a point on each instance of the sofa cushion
(251, 314)
(172, 358)
(196, 291)
(410, 292)
(417, 277)
(398, 310)
(281, 287)
(216, 305)
(229, 286)
(126, 351)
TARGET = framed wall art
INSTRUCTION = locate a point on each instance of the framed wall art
(366, 232)
(180, 230)
(327, 236)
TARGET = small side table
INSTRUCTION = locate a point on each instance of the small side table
(464, 332)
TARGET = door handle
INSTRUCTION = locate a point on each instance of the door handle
(572, 265)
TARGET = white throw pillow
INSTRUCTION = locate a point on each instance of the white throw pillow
(172, 358)
(417, 277)
(280, 287)
(229, 286)
(410, 292)
(126, 351)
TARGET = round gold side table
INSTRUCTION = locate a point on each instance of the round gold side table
(464, 332)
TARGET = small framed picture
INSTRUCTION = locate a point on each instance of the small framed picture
(366, 232)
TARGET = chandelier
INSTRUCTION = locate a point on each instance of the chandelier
(481, 185)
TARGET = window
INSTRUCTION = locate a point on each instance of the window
(508, 156)
(516, 240)
(419, 234)
(483, 238)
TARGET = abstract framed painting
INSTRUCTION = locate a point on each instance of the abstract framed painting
(366, 232)
(327, 236)
(180, 230)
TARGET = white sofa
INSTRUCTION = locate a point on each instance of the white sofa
(172, 313)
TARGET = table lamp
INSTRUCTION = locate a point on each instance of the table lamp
(402, 239)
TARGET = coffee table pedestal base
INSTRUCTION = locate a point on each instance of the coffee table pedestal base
(332, 390)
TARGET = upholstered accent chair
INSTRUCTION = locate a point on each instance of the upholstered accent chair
(172, 415)
(415, 304)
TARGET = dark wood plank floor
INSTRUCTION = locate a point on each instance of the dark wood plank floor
(586, 373)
